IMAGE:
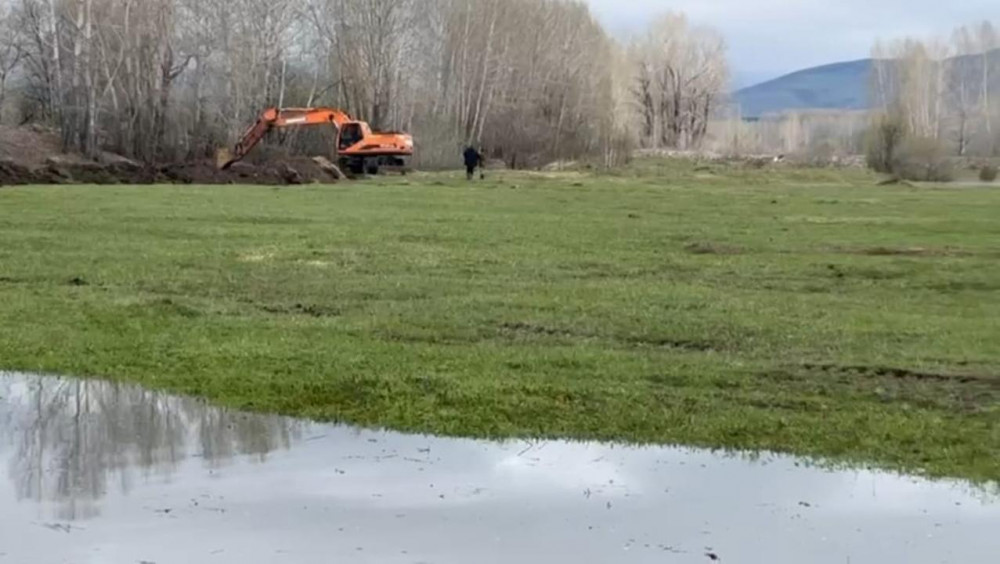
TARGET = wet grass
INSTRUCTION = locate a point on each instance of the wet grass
(798, 311)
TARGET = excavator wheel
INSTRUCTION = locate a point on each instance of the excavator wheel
(354, 166)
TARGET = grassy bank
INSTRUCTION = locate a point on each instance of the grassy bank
(797, 311)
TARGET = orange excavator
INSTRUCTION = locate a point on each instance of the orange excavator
(359, 149)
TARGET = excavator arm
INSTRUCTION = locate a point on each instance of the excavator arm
(275, 118)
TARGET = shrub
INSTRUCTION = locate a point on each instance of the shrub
(883, 141)
(988, 173)
(922, 159)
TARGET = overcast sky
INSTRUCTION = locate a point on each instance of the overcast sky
(768, 38)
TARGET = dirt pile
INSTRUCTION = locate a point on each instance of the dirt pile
(73, 171)
(28, 146)
(286, 171)
(299, 170)
(31, 155)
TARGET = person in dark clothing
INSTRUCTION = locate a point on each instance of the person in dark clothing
(473, 160)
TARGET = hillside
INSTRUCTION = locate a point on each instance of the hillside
(836, 86)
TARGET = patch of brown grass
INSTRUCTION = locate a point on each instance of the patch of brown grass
(703, 248)
(909, 252)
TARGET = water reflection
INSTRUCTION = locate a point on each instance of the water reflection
(108, 473)
(73, 440)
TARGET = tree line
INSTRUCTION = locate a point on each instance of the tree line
(528, 80)
(934, 99)
(934, 103)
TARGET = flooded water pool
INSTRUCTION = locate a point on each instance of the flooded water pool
(94, 472)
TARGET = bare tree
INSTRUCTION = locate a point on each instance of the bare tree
(11, 51)
(962, 92)
(989, 42)
(681, 76)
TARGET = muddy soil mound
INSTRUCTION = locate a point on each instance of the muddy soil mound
(292, 170)
(32, 155)
(36, 146)
(28, 146)
(58, 170)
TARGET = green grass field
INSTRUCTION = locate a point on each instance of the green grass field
(799, 311)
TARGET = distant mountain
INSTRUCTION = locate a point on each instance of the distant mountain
(841, 86)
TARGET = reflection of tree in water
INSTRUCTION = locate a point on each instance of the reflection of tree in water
(76, 439)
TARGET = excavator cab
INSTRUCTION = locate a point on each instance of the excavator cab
(350, 135)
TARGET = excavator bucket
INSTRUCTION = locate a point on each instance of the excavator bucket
(223, 158)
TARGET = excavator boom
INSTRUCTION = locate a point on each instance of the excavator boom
(368, 143)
